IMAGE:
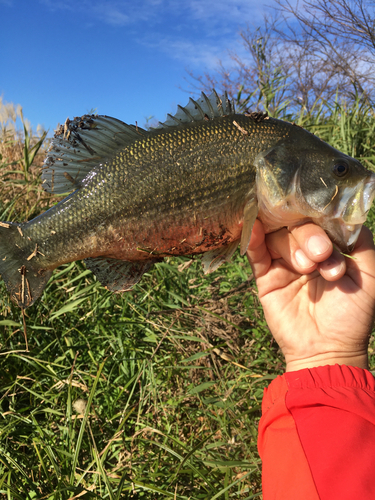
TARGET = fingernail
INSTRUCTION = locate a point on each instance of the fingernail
(317, 245)
(302, 259)
(331, 267)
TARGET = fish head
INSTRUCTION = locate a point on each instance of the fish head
(297, 184)
(343, 200)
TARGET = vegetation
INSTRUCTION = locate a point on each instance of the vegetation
(155, 393)
(312, 49)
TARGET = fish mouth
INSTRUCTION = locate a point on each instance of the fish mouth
(344, 225)
(344, 236)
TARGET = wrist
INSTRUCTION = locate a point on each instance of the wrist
(359, 360)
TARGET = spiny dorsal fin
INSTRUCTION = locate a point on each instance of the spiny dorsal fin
(79, 145)
(204, 108)
(82, 143)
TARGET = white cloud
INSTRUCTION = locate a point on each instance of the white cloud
(205, 31)
(112, 15)
(192, 53)
(232, 11)
(118, 12)
(196, 32)
(59, 4)
(112, 12)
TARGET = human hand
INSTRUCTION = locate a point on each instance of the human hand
(318, 304)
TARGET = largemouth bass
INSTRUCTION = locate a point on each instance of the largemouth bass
(194, 185)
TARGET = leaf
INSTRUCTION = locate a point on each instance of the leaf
(68, 307)
(195, 356)
(201, 387)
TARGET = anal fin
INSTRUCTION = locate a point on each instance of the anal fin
(118, 275)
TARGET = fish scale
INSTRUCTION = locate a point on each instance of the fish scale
(124, 200)
(193, 186)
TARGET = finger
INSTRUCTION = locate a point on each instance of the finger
(333, 268)
(257, 252)
(282, 244)
(361, 267)
(313, 241)
(365, 241)
(305, 247)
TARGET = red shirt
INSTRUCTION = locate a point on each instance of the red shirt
(317, 435)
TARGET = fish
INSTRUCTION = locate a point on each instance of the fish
(193, 185)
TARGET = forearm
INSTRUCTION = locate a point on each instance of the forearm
(317, 435)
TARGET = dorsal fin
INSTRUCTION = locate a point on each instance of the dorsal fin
(79, 145)
(204, 108)
(82, 143)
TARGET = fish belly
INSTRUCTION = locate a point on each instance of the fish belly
(141, 240)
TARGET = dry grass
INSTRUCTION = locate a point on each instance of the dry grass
(22, 153)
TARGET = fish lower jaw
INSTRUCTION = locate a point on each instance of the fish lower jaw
(343, 235)
(352, 235)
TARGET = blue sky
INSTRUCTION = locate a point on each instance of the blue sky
(125, 58)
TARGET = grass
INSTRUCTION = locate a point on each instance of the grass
(161, 380)
(155, 393)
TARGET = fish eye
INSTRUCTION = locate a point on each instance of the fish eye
(340, 169)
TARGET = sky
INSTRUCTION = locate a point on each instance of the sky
(124, 58)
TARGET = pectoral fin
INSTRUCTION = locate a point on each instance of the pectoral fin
(118, 275)
(213, 259)
(250, 214)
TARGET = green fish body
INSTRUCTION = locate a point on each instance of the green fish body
(193, 186)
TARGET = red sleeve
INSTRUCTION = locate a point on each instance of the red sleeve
(317, 435)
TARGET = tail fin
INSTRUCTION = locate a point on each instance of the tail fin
(23, 278)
